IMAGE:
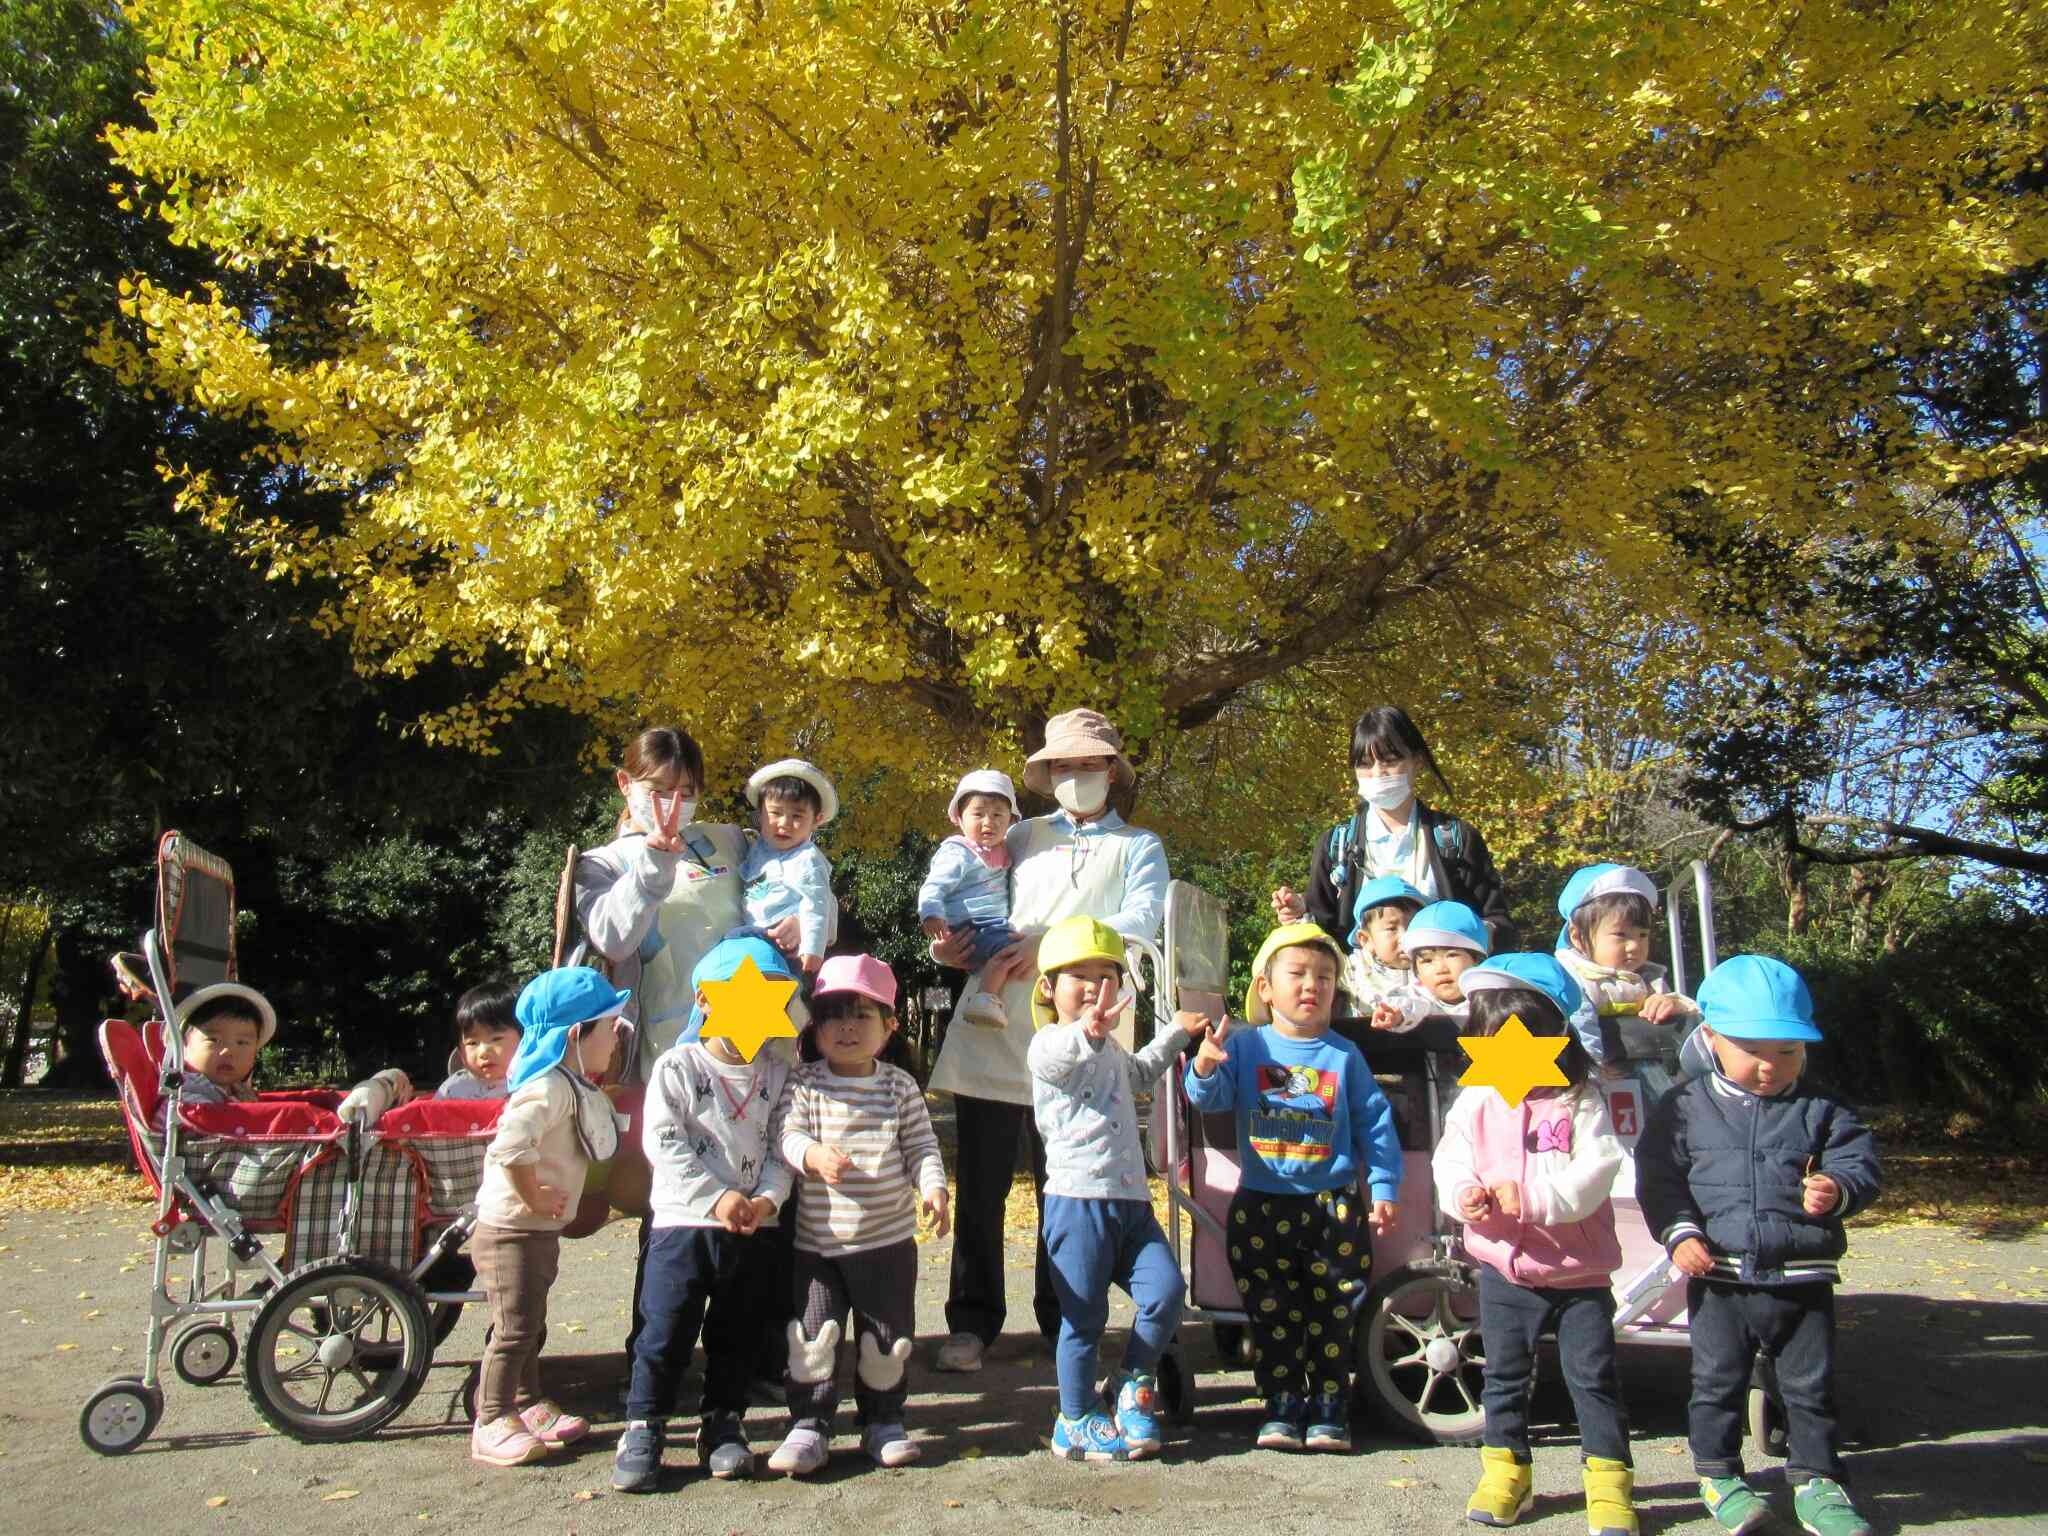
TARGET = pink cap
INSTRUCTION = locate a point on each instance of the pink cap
(857, 973)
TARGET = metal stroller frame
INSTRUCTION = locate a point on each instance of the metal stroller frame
(355, 1318)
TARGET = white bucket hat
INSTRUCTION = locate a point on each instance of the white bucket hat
(266, 1016)
(1078, 733)
(796, 768)
(983, 781)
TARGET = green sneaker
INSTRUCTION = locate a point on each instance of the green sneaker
(1733, 1504)
(1824, 1509)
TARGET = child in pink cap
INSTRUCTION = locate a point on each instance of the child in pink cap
(857, 1127)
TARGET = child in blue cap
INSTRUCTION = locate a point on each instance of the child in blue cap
(1379, 915)
(710, 1261)
(555, 1124)
(1441, 942)
(1605, 944)
(1745, 1175)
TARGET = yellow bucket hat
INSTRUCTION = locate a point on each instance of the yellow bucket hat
(1069, 943)
(1286, 936)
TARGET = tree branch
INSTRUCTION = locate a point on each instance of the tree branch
(1910, 843)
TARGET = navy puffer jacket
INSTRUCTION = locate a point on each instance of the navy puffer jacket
(1722, 1164)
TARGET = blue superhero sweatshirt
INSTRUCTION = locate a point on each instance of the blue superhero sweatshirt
(1309, 1115)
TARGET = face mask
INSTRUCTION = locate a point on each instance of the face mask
(1385, 791)
(1081, 794)
(640, 802)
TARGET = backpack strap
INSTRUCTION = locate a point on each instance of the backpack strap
(1340, 845)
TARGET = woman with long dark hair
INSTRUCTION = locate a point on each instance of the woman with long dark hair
(1392, 832)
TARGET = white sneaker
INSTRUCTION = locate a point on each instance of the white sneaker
(961, 1352)
(985, 1009)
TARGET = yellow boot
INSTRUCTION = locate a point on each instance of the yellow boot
(1610, 1502)
(1505, 1489)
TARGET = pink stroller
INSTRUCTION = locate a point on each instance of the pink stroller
(1416, 1341)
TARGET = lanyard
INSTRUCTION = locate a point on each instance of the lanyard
(736, 1106)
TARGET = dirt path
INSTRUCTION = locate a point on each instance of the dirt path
(1944, 1359)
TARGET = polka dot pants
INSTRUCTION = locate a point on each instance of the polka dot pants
(1301, 1263)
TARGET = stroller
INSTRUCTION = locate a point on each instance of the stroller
(1417, 1349)
(370, 1213)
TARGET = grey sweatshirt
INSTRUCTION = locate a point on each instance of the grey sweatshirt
(1083, 1096)
(709, 1127)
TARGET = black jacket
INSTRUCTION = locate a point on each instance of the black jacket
(1464, 872)
(1726, 1166)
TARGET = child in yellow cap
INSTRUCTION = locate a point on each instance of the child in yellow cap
(1098, 1224)
(1311, 1124)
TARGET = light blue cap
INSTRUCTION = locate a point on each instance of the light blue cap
(549, 1007)
(1445, 925)
(1539, 973)
(1385, 891)
(1597, 880)
(1753, 997)
(722, 962)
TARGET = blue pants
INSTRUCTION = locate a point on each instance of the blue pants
(1093, 1243)
(1796, 1323)
(1512, 1318)
(695, 1279)
(991, 938)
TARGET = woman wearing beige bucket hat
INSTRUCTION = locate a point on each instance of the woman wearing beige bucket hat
(1083, 860)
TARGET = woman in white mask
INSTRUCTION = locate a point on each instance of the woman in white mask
(1394, 833)
(652, 902)
(1083, 860)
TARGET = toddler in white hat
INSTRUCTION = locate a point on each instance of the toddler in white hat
(968, 884)
(784, 873)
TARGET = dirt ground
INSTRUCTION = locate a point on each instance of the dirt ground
(1944, 1353)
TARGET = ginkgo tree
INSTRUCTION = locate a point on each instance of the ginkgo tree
(876, 378)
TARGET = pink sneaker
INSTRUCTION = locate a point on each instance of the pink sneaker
(552, 1427)
(504, 1442)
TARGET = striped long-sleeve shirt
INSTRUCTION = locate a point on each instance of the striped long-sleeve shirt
(881, 1123)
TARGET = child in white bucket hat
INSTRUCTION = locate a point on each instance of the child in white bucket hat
(967, 886)
(784, 874)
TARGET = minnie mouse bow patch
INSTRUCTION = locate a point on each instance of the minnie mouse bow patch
(1553, 1136)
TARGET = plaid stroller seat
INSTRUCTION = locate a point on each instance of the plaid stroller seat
(422, 1164)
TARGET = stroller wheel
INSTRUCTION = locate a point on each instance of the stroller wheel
(1419, 1353)
(1233, 1344)
(339, 1350)
(120, 1415)
(1766, 1415)
(204, 1353)
(1176, 1387)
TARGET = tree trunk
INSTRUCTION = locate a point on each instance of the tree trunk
(1866, 884)
(1797, 909)
(24, 1013)
(79, 991)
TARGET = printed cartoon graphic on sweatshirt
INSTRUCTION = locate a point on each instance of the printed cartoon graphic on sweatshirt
(1296, 1117)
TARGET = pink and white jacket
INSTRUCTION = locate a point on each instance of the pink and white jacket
(1560, 1148)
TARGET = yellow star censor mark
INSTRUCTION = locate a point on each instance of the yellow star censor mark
(749, 1010)
(1513, 1061)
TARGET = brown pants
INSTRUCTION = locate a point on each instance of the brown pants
(515, 1269)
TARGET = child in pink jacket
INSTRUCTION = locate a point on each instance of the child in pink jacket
(1531, 1183)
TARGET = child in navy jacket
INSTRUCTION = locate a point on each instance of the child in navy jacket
(1745, 1175)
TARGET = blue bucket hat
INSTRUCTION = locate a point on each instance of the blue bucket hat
(1388, 890)
(549, 1007)
(1595, 881)
(1539, 973)
(1753, 997)
(1445, 925)
(722, 962)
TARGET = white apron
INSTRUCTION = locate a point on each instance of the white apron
(1058, 875)
(706, 904)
